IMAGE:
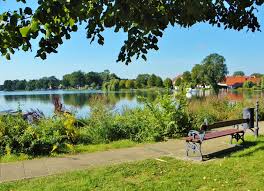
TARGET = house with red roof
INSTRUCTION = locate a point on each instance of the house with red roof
(238, 81)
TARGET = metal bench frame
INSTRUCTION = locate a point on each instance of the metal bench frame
(198, 137)
(195, 138)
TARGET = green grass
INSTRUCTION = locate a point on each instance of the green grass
(243, 170)
(76, 149)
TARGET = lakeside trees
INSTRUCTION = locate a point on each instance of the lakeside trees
(43, 83)
(211, 71)
(93, 80)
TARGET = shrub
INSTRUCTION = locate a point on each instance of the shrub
(165, 117)
(134, 124)
(44, 137)
(98, 124)
(170, 116)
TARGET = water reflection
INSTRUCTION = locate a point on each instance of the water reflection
(79, 101)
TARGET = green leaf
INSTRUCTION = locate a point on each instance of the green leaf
(144, 57)
(28, 11)
(34, 26)
(8, 56)
(24, 31)
(48, 33)
(71, 22)
(13, 20)
(74, 28)
(25, 47)
(43, 56)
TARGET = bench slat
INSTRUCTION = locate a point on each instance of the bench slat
(224, 124)
(215, 134)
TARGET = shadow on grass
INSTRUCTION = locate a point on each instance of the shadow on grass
(247, 148)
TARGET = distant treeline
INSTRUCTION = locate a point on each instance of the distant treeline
(91, 80)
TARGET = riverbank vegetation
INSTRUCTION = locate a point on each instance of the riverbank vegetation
(91, 80)
(168, 116)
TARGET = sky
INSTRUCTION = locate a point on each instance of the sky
(180, 49)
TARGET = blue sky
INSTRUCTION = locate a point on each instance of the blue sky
(180, 49)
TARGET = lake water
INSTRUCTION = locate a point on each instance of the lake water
(79, 101)
(75, 101)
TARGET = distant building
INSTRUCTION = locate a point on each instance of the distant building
(238, 81)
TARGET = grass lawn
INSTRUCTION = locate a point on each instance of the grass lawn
(76, 149)
(243, 170)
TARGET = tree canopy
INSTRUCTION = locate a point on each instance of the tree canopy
(216, 70)
(144, 22)
(92, 80)
(239, 73)
(258, 75)
(211, 71)
(198, 75)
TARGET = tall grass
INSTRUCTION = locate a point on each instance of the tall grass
(215, 108)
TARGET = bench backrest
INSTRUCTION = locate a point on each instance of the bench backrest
(224, 124)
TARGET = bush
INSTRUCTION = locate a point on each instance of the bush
(170, 115)
(165, 117)
(248, 84)
(135, 124)
(98, 125)
(45, 137)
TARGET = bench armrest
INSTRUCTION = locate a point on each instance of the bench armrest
(196, 134)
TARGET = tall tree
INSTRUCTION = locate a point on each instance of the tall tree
(215, 70)
(93, 78)
(167, 83)
(114, 85)
(50, 22)
(186, 77)
(21, 85)
(122, 84)
(178, 81)
(152, 80)
(198, 74)
(239, 73)
(142, 80)
(158, 82)
(31, 85)
(129, 84)
(8, 85)
(75, 79)
(66, 80)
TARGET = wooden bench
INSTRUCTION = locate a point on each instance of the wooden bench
(195, 139)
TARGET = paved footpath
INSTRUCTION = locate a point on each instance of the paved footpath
(48, 166)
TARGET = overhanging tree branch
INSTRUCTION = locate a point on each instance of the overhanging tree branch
(144, 21)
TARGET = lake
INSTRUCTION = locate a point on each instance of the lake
(78, 101)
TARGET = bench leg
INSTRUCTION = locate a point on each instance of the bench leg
(238, 137)
(195, 148)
